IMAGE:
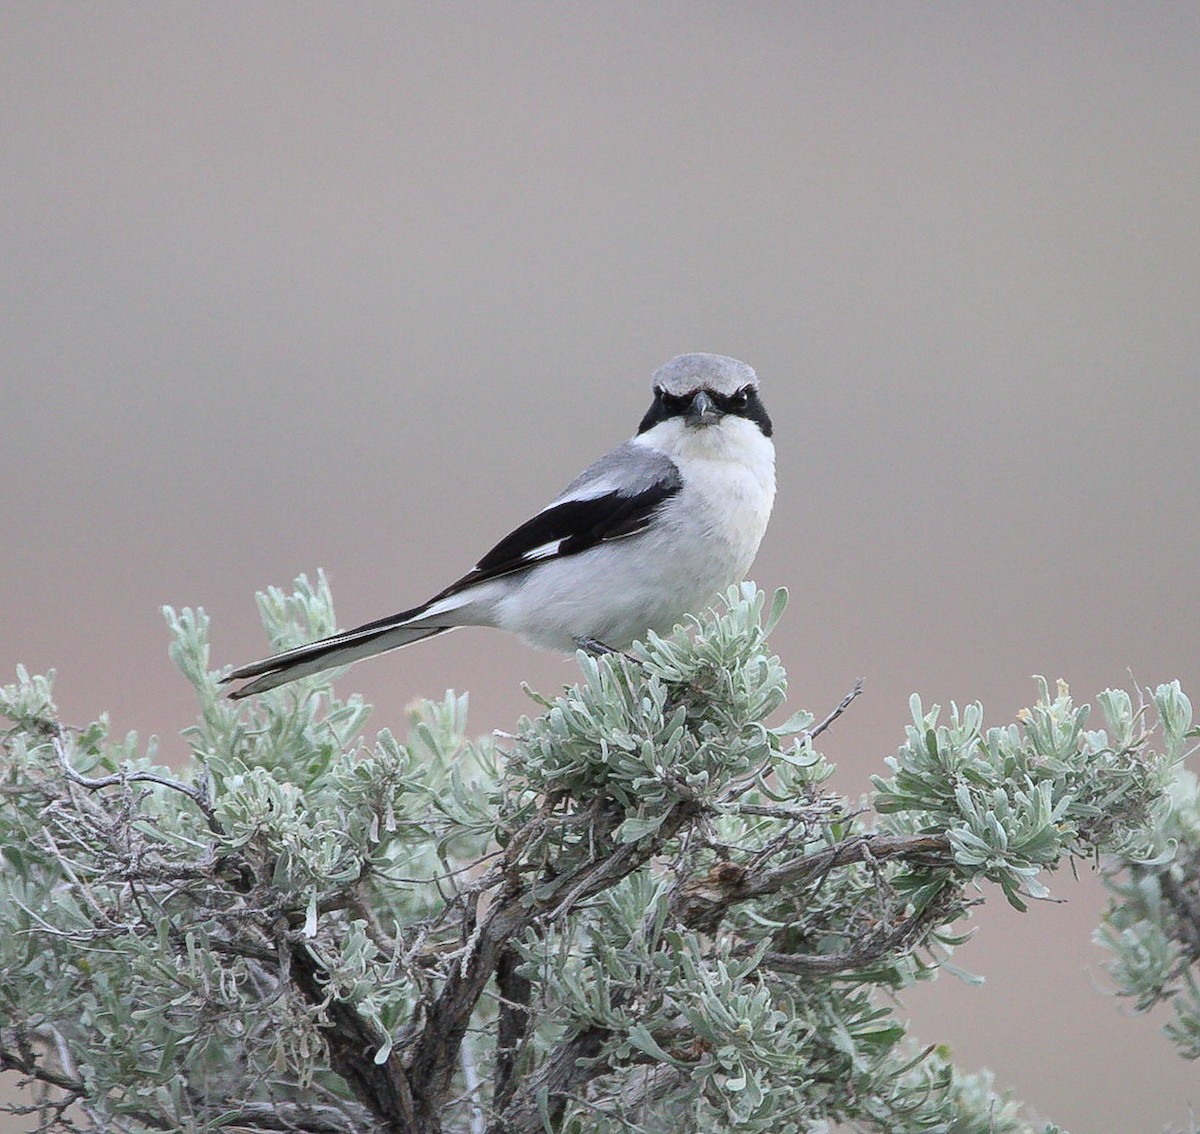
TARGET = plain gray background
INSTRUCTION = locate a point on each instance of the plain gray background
(360, 286)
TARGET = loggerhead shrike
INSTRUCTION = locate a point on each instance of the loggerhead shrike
(652, 531)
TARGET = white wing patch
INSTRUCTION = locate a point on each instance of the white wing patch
(591, 490)
(545, 551)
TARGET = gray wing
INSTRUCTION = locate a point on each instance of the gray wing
(629, 468)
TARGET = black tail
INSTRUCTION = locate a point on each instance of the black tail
(338, 649)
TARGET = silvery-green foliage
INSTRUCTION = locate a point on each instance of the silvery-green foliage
(1152, 925)
(143, 928)
(1016, 801)
(681, 725)
(647, 887)
(979, 1108)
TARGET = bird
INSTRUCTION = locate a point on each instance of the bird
(652, 531)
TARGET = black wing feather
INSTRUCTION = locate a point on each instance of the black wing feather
(575, 525)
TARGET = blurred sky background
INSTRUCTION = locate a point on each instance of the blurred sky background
(360, 286)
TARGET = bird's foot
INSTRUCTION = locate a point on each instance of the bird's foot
(598, 649)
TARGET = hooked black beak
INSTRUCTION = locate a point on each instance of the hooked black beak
(703, 410)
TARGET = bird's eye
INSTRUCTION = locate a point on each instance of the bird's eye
(739, 401)
(674, 403)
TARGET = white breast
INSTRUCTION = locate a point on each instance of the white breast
(728, 472)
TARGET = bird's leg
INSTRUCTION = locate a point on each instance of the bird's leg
(599, 649)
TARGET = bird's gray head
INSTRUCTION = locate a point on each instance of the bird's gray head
(702, 389)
